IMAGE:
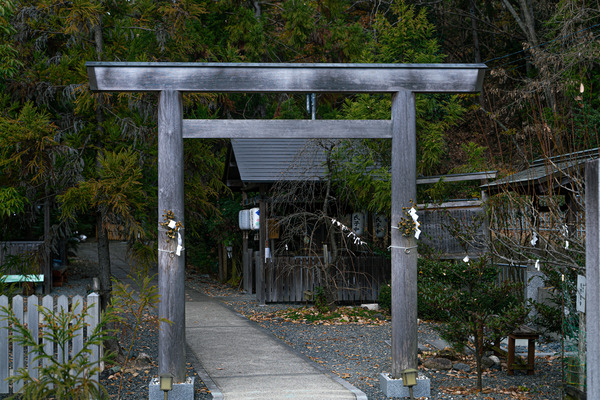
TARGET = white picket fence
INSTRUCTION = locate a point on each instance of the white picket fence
(27, 312)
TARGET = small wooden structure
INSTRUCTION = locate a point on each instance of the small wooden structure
(171, 80)
(531, 336)
(253, 164)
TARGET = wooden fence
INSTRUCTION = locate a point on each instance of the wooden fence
(467, 217)
(515, 274)
(16, 249)
(289, 279)
(14, 356)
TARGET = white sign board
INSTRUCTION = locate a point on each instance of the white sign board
(580, 293)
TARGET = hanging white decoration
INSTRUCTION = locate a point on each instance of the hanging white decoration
(357, 240)
(179, 244)
(534, 239)
(413, 213)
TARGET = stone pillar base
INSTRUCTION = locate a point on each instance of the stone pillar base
(181, 391)
(395, 387)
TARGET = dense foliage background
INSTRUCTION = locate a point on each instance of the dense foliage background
(92, 157)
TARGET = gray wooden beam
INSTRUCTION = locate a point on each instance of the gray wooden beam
(592, 261)
(458, 177)
(285, 78)
(171, 272)
(403, 249)
(286, 129)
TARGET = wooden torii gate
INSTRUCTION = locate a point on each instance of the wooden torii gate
(171, 80)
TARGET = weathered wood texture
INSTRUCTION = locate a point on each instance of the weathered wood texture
(282, 78)
(483, 176)
(258, 275)
(402, 79)
(404, 252)
(359, 279)
(260, 270)
(4, 349)
(592, 263)
(27, 311)
(171, 273)
(8, 249)
(286, 129)
(246, 263)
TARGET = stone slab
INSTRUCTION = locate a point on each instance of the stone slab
(438, 343)
(181, 391)
(395, 387)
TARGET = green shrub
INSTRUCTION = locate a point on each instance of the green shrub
(430, 272)
(480, 311)
(385, 297)
(321, 303)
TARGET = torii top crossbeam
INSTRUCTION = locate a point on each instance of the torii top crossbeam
(285, 78)
(173, 79)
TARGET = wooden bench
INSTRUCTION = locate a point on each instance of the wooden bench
(30, 281)
(29, 277)
(522, 333)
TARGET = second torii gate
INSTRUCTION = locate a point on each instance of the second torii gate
(171, 80)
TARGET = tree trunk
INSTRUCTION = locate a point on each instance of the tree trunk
(103, 262)
(475, 35)
(104, 268)
(220, 275)
(479, 353)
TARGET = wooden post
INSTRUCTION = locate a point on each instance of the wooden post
(262, 237)
(47, 260)
(258, 282)
(171, 273)
(592, 261)
(404, 252)
(246, 261)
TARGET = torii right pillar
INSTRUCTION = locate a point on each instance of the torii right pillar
(404, 250)
(592, 262)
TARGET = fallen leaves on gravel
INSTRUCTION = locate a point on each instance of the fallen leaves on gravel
(515, 393)
(339, 316)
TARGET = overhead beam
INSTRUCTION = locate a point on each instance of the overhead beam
(458, 177)
(285, 78)
(286, 129)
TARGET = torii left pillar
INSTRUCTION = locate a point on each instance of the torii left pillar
(171, 267)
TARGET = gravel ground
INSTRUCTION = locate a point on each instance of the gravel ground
(360, 352)
(356, 352)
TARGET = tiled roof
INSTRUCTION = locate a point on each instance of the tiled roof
(272, 160)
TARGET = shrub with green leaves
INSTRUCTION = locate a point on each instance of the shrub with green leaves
(65, 377)
(480, 310)
(321, 302)
(430, 271)
(385, 297)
